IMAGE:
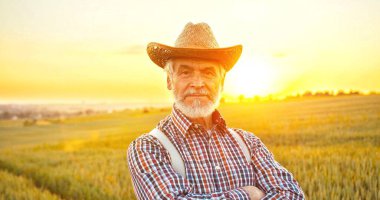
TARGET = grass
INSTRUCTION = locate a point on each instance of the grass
(18, 187)
(331, 146)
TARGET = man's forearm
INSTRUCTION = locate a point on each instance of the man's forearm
(146, 188)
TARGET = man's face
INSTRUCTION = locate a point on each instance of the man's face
(197, 85)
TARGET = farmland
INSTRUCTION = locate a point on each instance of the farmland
(330, 144)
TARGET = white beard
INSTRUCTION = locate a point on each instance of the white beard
(196, 110)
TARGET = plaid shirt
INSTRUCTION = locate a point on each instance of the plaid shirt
(215, 164)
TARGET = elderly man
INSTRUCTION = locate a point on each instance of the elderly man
(192, 154)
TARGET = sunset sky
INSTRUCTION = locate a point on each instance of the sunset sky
(94, 50)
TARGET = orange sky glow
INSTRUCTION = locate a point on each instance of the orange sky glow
(94, 51)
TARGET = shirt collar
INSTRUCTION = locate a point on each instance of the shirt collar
(218, 119)
(183, 123)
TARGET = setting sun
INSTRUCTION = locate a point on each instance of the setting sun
(251, 77)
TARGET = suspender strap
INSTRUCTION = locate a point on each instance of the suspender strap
(176, 159)
(242, 145)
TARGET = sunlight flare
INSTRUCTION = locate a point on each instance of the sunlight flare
(251, 77)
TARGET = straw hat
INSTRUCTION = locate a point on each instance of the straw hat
(195, 41)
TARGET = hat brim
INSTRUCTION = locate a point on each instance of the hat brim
(160, 54)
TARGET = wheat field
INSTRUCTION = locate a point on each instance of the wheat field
(331, 145)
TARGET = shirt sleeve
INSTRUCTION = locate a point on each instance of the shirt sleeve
(272, 178)
(153, 176)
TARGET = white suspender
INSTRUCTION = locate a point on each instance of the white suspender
(176, 159)
(242, 145)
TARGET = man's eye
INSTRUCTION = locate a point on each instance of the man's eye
(185, 73)
(210, 73)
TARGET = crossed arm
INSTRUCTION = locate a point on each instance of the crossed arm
(154, 178)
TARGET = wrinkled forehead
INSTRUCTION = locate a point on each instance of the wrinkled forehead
(194, 63)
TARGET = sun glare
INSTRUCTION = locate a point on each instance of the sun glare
(250, 78)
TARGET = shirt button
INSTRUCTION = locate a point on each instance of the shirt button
(217, 167)
(196, 126)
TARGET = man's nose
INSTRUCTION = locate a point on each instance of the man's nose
(197, 80)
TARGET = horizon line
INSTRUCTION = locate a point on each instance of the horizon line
(225, 98)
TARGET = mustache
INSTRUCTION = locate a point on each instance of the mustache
(192, 91)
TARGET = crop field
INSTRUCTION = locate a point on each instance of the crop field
(331, 145)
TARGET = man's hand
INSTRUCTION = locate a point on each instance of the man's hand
(254, 192)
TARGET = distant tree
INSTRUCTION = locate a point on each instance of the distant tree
(319, 94)
(29, 122)
(89, 111)
(307, 94)
(6, 115)
(270, 97)
(223, 100)
(341, 93)
(256, 98)
(241, 98)
(145, 110)
(354, 92)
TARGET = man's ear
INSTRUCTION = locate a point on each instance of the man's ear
(168, 83)
(223, 81)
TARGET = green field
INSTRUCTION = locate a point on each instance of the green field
(330, 144)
